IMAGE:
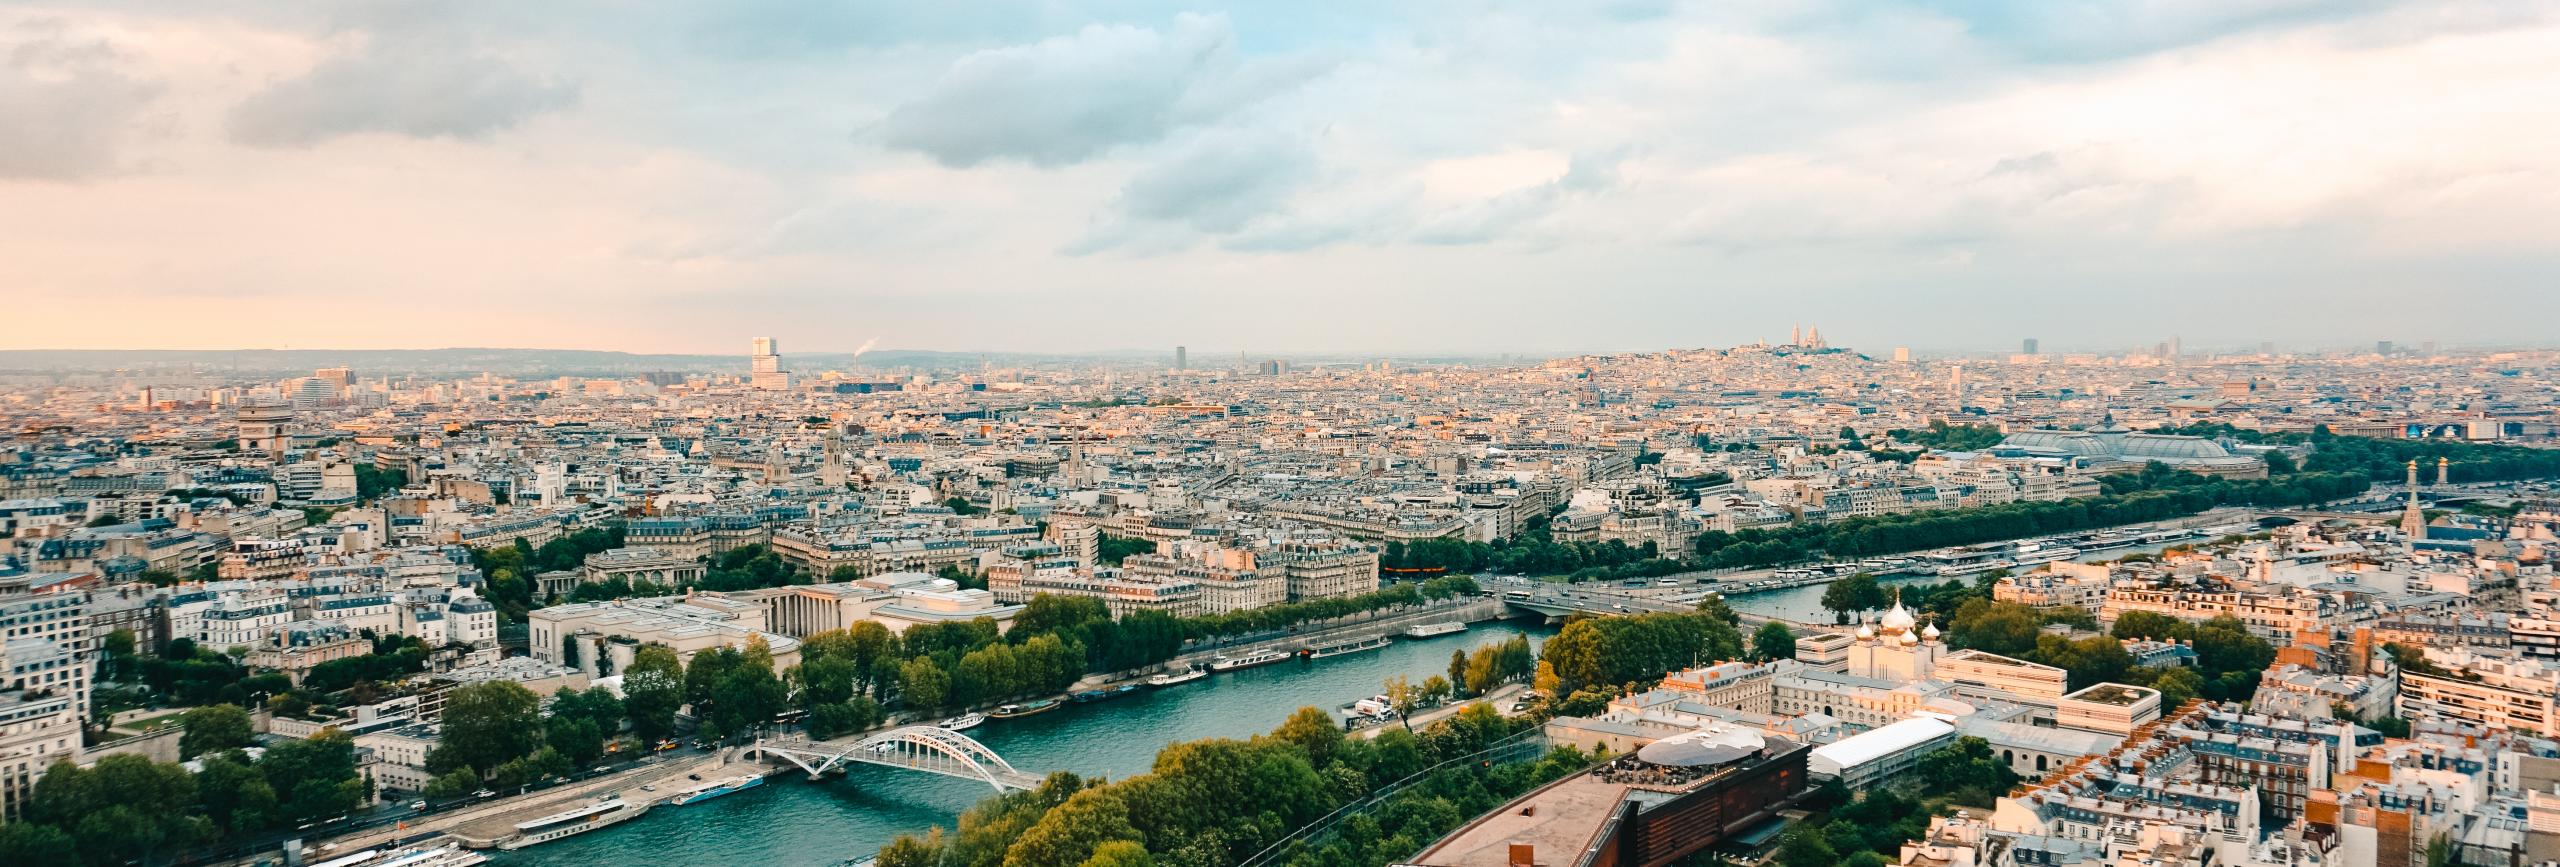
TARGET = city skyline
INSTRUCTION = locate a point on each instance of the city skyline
(1334, 178)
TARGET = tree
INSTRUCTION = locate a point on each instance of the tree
(2005, 628)
(36, 843)
(652, 689)
(126, 808)
(1118, 853)
(1773, 641)
(1853, 594)
(1804, 847)
(486, 725)
(748, 694)
(2152, 625)
(832, 720)
(1402, 696)
(1546, 681)
(1313, 732)
(1968, 769)
(909, 851)
(576, 738)
(1437, 689)
(1072, 832)
(234, 795)
(315, 777)
(1458, 670)
(924, 684)
(214, 727)
(453, 785)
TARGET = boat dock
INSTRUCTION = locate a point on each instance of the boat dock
(487, 830)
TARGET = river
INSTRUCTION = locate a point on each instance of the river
(791, 821)
(1804, 604)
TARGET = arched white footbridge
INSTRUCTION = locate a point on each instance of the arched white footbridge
(930, 749)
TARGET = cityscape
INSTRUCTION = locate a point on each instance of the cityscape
(1785, 600)
(1174, 433)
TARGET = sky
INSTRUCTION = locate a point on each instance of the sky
(1418, 176)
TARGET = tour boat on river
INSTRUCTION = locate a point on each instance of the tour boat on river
(1434, 630)
(1104, 694)
(709, 789)
(963, 722)
(602, 814)
(1347, 647)
(1014, 711)
(1235, 663)
(1171, 678)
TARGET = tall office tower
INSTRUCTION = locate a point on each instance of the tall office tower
(766, 357)
(2266, 347)
(1182, 358)
(765, 362)
(2427, 349)
(2382, 347)
(1902, 355)
(2027, 346)
(2177, 347)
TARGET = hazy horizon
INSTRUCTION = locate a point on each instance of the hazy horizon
(1456, 177)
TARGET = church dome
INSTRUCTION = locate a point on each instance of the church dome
(1899, 619)
(1909, 639)
(1866, 632)
(1930, 632)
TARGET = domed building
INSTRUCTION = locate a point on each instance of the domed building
(1896, 648)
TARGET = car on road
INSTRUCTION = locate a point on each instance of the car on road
(483, 793)
(417, 806)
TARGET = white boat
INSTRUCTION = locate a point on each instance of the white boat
(963, 722)
(1974, 568)
(1170, 678)
(1435, 630)
(2035, 553)
(709, 789)
(1259, 657)
(448, 855)
(1347, 647)
(569, 823)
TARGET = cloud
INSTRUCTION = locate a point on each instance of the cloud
(1508, 212)
(1071, 98)
(1217, 184)
(68, 104)
(405, 87)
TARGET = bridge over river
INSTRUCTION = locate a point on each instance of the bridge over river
(929, 749)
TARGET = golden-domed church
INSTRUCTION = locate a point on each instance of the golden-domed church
(1896, 648)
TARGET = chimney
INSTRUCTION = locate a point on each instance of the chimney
(1523, 855)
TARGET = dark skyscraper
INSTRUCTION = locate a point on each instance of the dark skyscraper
(2028, 346)
(1182, 358)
